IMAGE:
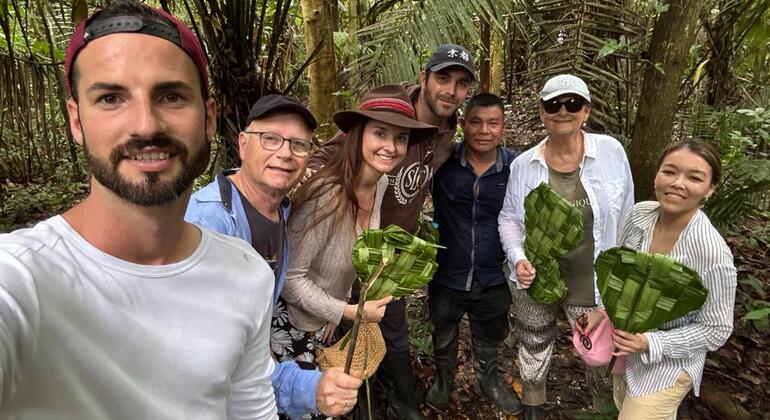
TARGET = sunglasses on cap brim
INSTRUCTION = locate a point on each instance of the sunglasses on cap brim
(572, 104)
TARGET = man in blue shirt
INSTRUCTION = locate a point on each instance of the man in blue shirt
(468, 194)
(250, 203)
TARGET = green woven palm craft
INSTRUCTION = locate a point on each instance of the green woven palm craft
(411, 261)
(554, 227)
(643, 291)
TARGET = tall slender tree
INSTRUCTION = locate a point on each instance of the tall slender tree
(672, 37)
(496, 61)
(323, 82)
(485, 58)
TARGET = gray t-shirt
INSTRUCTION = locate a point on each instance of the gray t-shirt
(577, 266)
(267, 236)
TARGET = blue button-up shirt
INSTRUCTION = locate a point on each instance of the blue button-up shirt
(466, 210)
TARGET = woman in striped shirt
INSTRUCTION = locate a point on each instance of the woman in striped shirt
(662, 366)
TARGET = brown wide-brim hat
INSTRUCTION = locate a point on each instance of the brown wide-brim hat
(389, 104)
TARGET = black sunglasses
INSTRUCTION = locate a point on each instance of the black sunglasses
(572, 104)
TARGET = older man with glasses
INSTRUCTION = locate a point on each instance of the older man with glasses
(250, 203)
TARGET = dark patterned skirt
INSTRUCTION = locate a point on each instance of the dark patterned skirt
(289, 343)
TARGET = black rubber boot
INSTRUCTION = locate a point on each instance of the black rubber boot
(533, 412)
(402, 395)
(441, 389)
(501, 396)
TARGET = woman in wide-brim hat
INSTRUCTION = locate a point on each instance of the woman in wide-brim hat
(332, 208)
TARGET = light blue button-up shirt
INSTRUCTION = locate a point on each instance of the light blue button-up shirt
(295, 388)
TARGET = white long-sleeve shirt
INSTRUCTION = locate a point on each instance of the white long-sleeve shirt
(682, 344)
(84, 335)
(606, 178)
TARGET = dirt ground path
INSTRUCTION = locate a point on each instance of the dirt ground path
(735, 384)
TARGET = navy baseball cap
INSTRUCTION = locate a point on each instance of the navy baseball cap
(448, 55)
(268, 104)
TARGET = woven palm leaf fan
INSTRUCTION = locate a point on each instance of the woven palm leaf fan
(554, 227)
(389, 262)
(411, 261)
(643, 291)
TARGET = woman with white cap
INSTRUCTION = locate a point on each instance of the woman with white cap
(332, 208)
(591, 171)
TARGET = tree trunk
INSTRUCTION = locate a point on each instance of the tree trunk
(720, 85)
(496, 61)
(353, 20)
(322, 72)
(672, 37)
(484, 59)
(61, 97)
(353, 26)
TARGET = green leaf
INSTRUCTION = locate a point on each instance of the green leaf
(395, 46)
(554, 227)
(642, 291)
(79, 11)
(43, 48)
(661, 7)
(755, 284)
(757, 314)
(610, 46)
(411, 261)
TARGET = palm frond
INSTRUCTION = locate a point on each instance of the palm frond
(34, 133)
(568, 36)
(395, 48)
(744, 192)
(246, 43)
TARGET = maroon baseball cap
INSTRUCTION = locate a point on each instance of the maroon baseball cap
(179, 34)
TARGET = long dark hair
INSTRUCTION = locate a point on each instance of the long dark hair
(338, 177)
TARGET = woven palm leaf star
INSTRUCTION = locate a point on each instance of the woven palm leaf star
(411, 261)
(643, 291)
(554, 227)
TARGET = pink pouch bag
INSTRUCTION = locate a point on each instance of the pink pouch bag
(596, 348)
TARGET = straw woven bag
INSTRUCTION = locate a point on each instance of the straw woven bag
(370, 350)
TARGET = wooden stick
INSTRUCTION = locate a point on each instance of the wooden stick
(360, 313)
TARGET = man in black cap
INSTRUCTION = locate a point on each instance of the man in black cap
(443, 87)
(250, 203)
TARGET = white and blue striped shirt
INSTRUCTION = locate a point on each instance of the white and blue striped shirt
(682, 343)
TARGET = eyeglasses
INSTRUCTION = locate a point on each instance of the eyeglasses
(272, 142)
(572, 104)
